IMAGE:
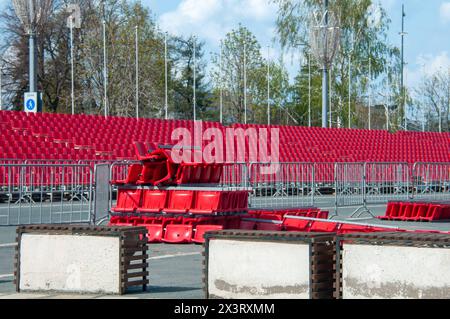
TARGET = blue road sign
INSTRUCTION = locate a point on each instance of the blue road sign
(30, 104)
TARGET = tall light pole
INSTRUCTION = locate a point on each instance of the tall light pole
(370, 88)
(402, 88)
(73, 21)
(1, 87)
(325, 74)
(440, 111)
(32, 48)
(309, 88)
(245, 83)
(137, 70)
(221, 81)
(194, 85)
(165, 77)
(388, 97)
(72, 94)
(329, 96)
(105, 74)
(268, 85)
(32, 13)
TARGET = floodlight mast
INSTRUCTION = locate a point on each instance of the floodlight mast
(325, 36)
(32, 47)
(325, 73)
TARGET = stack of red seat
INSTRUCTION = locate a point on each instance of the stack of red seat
(177, 202)
(417, 211)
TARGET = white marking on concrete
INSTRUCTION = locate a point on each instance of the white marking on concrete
(174, 255)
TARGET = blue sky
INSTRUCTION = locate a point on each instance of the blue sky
(427, 45)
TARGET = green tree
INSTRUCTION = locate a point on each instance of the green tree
(363, 42)
(241, 57)
(182, 85)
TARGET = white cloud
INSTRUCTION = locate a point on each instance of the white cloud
(427, 65)
(211, 19)
(444, 12)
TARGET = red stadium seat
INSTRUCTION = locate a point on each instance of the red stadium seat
(128, 200)
(153, 201)
(179, 201)
(178, 234)
(134, 172)
(208, 202)
(200, 230)
(155, 232)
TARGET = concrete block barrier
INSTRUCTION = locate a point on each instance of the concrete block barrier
(267, 264)
(393, 266)
(80, 259)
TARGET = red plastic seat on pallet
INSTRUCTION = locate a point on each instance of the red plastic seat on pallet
(153, 201)
(178, 234)
(293, 224)
(119, 221)
(418, 210)
(318, 226)
(155, 232)
(180, 201)
(134, 172)
(208, 202)
(128, 200)
(200, 230)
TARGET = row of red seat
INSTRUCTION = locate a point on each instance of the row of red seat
(158, 167)
(177, 229)
(180, 201)
(279, 214)
(297, 144)
(417, 211)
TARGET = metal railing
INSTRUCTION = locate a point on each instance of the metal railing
(59, 192)
(45, 193)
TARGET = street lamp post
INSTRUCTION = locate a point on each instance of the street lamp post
(105, 75)
(245, 83)
(268, 85)
(309, 88)
(137, 70)
(194, 85)
(165, 77)
(370, 87)
(221, 81)
(1, 87)
(72, 94)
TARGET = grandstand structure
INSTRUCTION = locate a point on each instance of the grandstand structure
(46, 136)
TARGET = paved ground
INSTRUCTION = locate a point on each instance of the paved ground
(176, 270)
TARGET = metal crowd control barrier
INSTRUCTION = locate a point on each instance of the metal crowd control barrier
(387, 181)
(349, 184)
(45, 193)
(281, 185)
(431, 180)
(362, 184)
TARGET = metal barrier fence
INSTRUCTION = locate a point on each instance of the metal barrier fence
(349, 189)
(45, 193)
(431, 180)
(59, 192)
(281, 185)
